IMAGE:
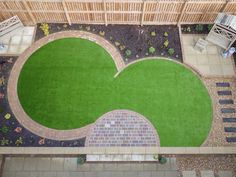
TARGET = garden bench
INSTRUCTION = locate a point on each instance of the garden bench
(10, 25)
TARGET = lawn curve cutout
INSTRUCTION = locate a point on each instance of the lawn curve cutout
(69, 83)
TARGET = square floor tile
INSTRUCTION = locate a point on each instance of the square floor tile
(5, 40)
(44, 164)
(188, 40)
(22, 48)
(216, 70)
(202, 59)
(228, 70)
(207, 173)
(214, 59)
(57, 164)
(212, 50)
(225, 174)
(13, 49)
(26, 40)
(204, 69)
(189, 174)
(15, 40)
(28, 31)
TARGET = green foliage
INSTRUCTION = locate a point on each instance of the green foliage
(128, 53)
(45, 28)
(153, 34)
(149, 43)
(171, 51)
(188, 29)
(102, 33)
(7, 116)
(80, 27)
(166, 34)
(80, 160)
(162, 159)
(199, 27)
(111, 38)
(19, 141)
(4, 141)
(1, 109)
(117, 43)
(88, 28)
(4, 129)
(166, 43)
(122, 47)
(151, 50)
(209, 26)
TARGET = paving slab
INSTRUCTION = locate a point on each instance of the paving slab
(231, 139)
(224, 92)
(226, 101)
(229, 119)
(76, 174)
(230, 129)
(57, 164)
(207, 173)
(9, 174)
(171, 174)
(44, 164)
(189, 173)
(23, 174)
(225, 174)
(63, 174)
(158, 174)
(227, 110)
(130, 174)
(30, 164)
(115, 174)
(223, 84)
(70, 164)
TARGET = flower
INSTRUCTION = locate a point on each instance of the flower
(42, 141)
(18, 129)
(7, 116)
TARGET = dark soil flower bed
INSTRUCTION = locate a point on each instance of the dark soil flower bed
(196, 28)
(11, 132)
(133, 42)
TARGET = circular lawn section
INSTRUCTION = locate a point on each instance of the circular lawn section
(69, 83)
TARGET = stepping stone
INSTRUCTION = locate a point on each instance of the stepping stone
(222, 84)
(228, 101)
(227, 110)
(230, 129)
(189, 173)
(207, 173)
(231, 139)
(225, 174)
(229, 119)
(224, 92)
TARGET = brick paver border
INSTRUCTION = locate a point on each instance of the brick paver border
(13, 99)
(93, 137)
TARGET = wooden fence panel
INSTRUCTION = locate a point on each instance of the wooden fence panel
(140, 12)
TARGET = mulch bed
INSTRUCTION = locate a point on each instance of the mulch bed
(137, 39)
(11, 132)
(196, 28)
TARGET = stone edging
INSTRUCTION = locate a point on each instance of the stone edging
(13, 99)
(115, 150)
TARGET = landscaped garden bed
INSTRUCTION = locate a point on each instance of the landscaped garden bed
(133, 42)
(196, 28)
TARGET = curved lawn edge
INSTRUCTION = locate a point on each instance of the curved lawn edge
(189, 68)
(13, 99)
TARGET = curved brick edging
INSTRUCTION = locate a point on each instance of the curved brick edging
(122, 128)
(13, 99)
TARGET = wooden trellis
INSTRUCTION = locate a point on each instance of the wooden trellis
(139, 12)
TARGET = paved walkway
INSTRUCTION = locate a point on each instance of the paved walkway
(68, 167)
(209, 62)
(14, 102)
(122, 128)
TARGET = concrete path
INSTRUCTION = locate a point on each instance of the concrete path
(68, 167)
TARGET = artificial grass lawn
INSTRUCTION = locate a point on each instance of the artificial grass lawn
(69, 83)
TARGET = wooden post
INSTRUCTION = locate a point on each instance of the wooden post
(225, 5)
(29, 11)
(182, 12)
(105, 11)
(66, 12)
(143, 12)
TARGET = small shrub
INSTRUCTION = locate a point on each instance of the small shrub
(128, 53)
(166, 43)
(80, 160)
(7, 116)
(4, 129)
(199, 27)
(111, 38)
(88, 28)
(166, 34)
(19, 141)
(209, 27)
(4, 141)
(171, 51)
(65, 26)
(188, 29)
(149, 43)
(45, 28)
(122, 47)
(162, 159)
(1, 109)
(152, 50)
(2, 81)
(117, 43)
(153, 34)
(102, 33)
(80, 27)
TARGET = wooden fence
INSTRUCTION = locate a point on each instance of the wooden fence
(139, 12)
